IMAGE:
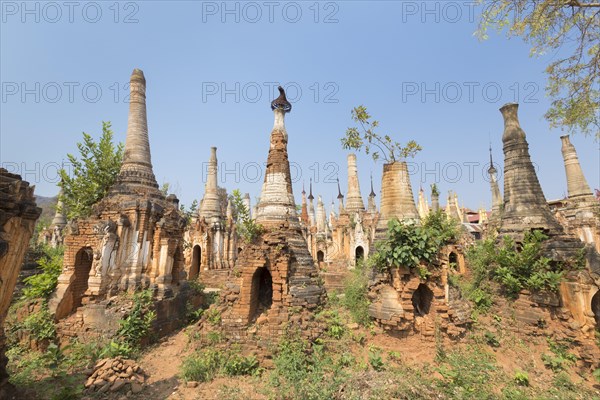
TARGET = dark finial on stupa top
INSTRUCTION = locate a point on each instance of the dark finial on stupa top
(310, 195)
(281, 102)
(340, 195)
(372, 194)
(491, 169)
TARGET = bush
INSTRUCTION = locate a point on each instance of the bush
(40, 325)
(136, 325)
(356, 288)
(335, 325)
(522, 378)
(467, 373)
(305, 372)
(515, 269)
(375, 359)
(559, 357)
(205, 365)
(42, 285)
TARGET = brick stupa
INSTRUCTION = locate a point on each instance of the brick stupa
(278, 279)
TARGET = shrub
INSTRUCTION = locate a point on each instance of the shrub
(136, 325)
(356, 288)
(305, 372)
(467, 371)
(522, 378)
(213, 316)
(247, 227)
(335, 326)
(491, 339)
(515, 269)
(205, 365)
(559, 356)
(375, 359)
(42, 285)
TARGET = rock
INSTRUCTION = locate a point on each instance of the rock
(192, 384)
(119, 383)
(104, 388)
(136, 387)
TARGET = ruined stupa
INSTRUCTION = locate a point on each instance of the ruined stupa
(276, 269)
(354, 200)
(397, 200)
(133, 237)
(582, 211)
(497, 205)
(525, 206)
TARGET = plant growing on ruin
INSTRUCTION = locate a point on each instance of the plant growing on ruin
(247, 227)
(364, 137)
(445, 230)
(137, 324)
(92, 173)
(514, 268)
(406, 245)
(42, 285)
(549, 26)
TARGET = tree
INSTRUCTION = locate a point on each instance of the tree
(365, 137)
(247, 228)
(189, 213)
(550, 26)
(93, 173)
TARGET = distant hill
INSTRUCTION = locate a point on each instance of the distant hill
(48, 205)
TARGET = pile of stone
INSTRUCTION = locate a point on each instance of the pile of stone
(115, 375)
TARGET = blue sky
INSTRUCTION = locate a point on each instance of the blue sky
(211, 67)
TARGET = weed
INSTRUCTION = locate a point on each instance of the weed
(521, 378)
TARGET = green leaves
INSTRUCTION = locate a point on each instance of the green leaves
(378, 146)
(550, 27)
(408, 244)
(42, 285)
(93, 173)
(515, 268)
(247, 228)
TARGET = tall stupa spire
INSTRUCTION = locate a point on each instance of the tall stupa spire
(576, 183)
(311, 205)
(354, 201)
(59, 216)
(525, 205)
(136, 173)
(210, 207)
(372, 207)
(340, 197)
(496, 195)
(304, 209)
(277, 199)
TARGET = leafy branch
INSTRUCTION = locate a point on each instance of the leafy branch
(364, 137)
(553, 26)
(247, 228)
